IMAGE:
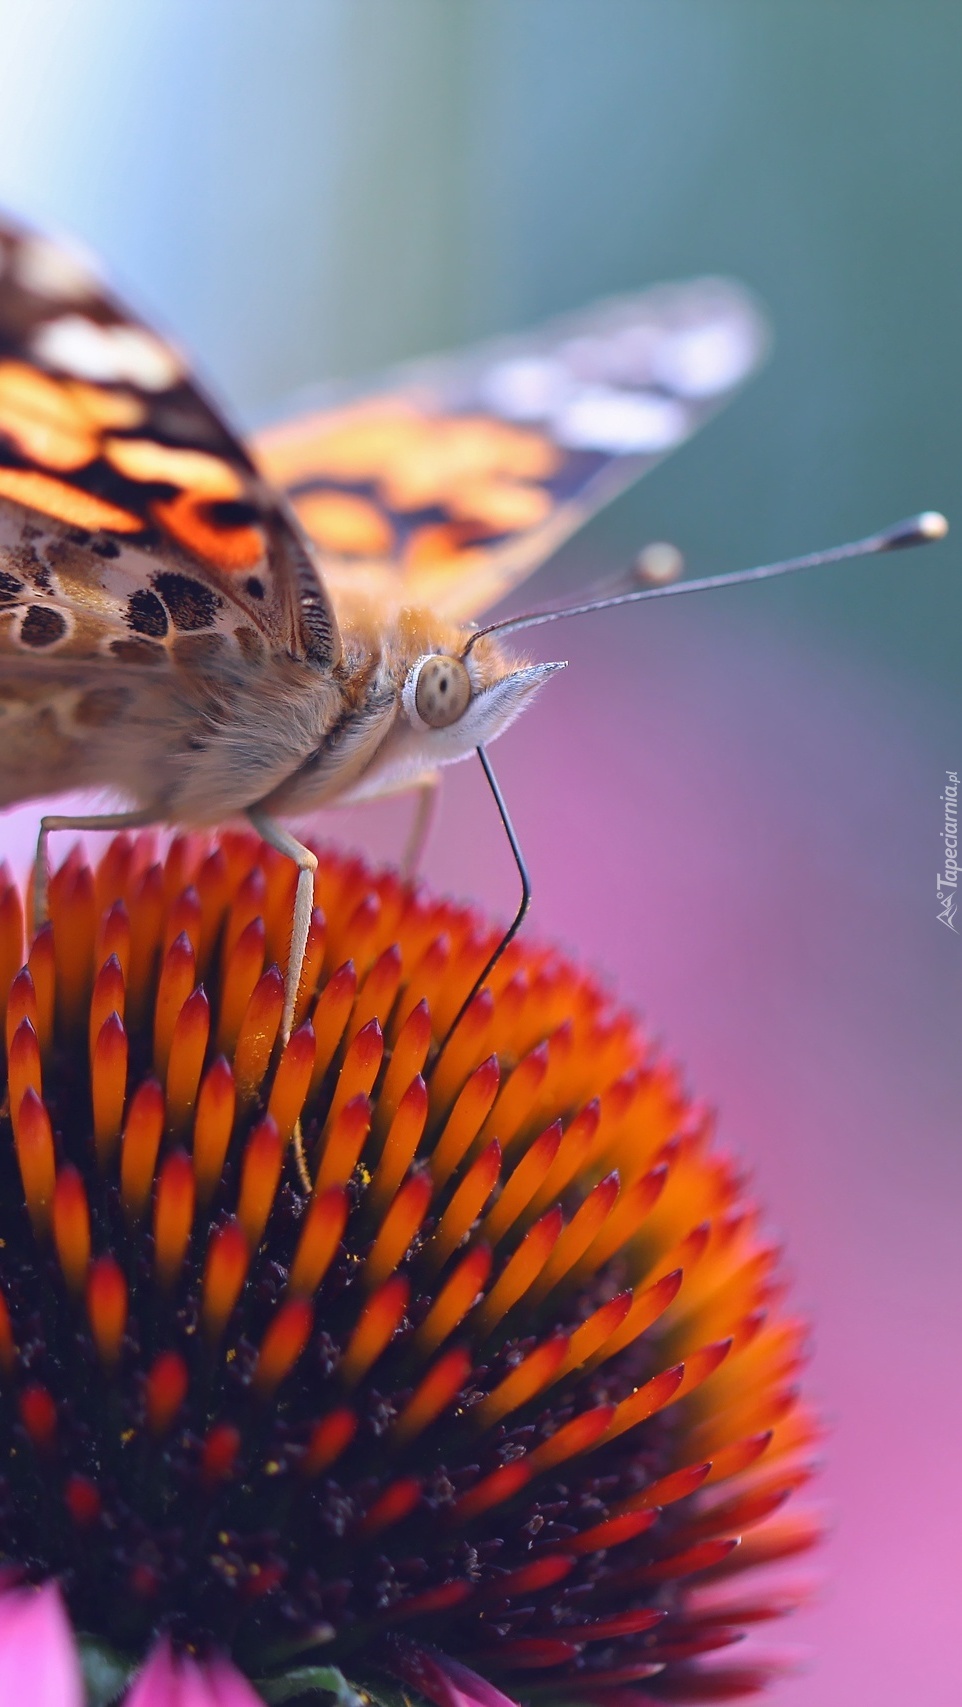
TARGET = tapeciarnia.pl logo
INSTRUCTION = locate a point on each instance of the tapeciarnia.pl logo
(947, 882)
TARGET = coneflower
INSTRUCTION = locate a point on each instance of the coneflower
(355, 1364)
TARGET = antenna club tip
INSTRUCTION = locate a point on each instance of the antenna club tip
(932, 524)
(917, 530)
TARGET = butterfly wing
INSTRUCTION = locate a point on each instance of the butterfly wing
(134, 527)
(452, 482)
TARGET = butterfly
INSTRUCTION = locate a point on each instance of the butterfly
(208, 628)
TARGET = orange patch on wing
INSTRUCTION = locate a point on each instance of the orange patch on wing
(345, 444)
(196, 470)
(345, 523)
(107, 408)
(43, 419)
(419, 459)
(65, 503)
(438, 543)
(449, 450)
(231, 549)
(504, 506)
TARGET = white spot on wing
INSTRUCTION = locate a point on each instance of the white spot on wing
(701, 361)
(107, 354)
(527, 388)
(620, 422)
(53, 270)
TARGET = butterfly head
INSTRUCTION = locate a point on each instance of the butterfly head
(437, 700)
(454, 701)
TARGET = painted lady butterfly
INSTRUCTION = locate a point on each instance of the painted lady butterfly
(208, 629)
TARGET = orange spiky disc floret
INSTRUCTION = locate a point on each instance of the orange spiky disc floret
(512, 1379)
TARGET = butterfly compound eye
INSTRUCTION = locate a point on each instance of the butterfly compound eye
(442, 692)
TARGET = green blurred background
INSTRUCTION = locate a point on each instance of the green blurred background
(732, 803)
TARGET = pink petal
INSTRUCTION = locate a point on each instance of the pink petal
(170, 1680)
(443, 1680)
(155, 1685)
(38, 1660)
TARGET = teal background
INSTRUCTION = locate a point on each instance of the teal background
(732, 804)
(316, 187)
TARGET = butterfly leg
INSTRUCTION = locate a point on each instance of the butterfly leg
(306, 863)
(99, 821)
(425, 812)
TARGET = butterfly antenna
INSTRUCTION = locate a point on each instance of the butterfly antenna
(916, 530)
(516, 922)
